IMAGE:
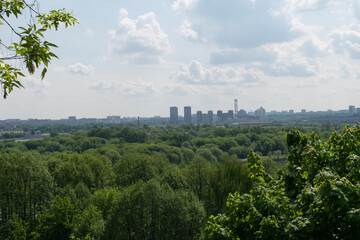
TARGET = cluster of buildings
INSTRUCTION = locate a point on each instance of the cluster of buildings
(353, 110)
(210, 117)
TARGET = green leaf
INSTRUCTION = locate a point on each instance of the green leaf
(43, 73)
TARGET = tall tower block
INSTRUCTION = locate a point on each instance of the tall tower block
(236, 108)
(187, 114)
(174, 117)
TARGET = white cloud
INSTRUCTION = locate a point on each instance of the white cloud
(136, 87)
(187, 32)
(346, 39)
(35, 85)
(355, 8)
(89, 32)
(57, 68)
(195, 73)
(260, 54)
(297, 67)
(183, 4)
(32, 82)
(314, 48)
(79, 68)
(309, 5)
(238, 24)
(140, 40)
(182, 89)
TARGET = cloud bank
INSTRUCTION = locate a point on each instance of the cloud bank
(141, 40)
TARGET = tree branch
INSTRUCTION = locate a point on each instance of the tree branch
(31, 7)
(11, 58)
(11, 27)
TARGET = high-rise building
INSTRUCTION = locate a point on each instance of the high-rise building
(187, 114)
(260, 112)
(219, 115)
(242, 113)
(231, 114)
(211, 116)
(357, 111)
(174, 115)
(351, 110)
(236, 107)
(199, 116)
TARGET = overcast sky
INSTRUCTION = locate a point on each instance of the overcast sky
(139, 57)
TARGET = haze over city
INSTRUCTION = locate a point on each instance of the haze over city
(137, 58)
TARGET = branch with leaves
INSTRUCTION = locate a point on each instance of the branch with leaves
(30, 48)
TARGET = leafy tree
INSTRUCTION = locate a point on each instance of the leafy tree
(89, 222)
(198, 174)
(104, 200)
(58, 222)
(153, 211)
(316, 196)
(17, 228)
(30, 46)
(25, 184)
(132, 168)
(229, 176)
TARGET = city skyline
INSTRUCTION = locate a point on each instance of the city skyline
(193, 112)
(136, 58)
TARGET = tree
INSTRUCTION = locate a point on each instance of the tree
(316, 196)
(30, 46)
(58, 222)
(153, 211)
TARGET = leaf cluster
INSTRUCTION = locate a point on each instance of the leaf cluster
(30, 48)
(316, 196)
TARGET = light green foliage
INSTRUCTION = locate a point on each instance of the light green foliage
(153, 211)
(198, 174)
(57, 223)
(94, 171)
(133, 167)
(105, 199)
(228, 177)
(17, 228)
(30, 46)
(316, 196)
(25, 184)
(89, 222)
(127, 183)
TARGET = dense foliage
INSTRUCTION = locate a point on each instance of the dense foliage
(122, 182)
(316, 196)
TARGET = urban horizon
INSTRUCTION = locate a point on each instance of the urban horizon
(181, 113)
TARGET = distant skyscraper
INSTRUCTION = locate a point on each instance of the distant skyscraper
(236, 107)
(351, 110)
(219, 115)
(187, 114)
(199, 117)
(242, 113)
(174, 115)
(231, 114)
(260, 112)
(211, 116)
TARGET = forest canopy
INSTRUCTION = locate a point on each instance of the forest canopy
(121, 182)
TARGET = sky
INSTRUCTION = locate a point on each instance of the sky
(139, 57)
